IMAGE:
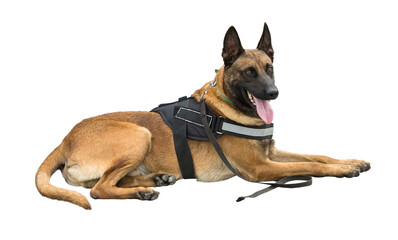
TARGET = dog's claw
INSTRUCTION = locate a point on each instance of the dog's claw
(365, 167)
(164, 180)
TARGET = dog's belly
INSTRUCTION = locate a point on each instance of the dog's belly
(82, 175)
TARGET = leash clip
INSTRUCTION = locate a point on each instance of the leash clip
(211, 84)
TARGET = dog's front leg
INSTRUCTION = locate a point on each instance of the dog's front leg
(257, 167)
(258, 161)
(284, 156)
(270, 170)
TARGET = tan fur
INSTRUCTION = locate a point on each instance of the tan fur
(119, 155)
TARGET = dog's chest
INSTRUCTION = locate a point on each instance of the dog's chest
(241, 153)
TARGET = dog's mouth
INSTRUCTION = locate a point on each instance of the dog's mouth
(262, 107)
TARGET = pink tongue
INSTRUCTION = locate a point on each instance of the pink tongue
(264, 110)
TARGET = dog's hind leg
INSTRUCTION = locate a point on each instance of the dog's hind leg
(149, 180)
(134, 144)
(106, 187)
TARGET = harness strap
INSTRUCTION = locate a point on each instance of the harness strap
(221, 125)
(226, 126)
(182, 148)
(280, 183)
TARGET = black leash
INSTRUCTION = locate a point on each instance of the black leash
(307, 180)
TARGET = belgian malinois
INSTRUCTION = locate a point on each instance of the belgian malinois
(121, 155)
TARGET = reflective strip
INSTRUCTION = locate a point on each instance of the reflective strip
(254, 132)
(185, 114)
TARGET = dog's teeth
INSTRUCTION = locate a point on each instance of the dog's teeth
(251, 98)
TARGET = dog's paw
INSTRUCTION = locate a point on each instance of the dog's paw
(360, 164)
(164, 180)
(147, 195)
(347, 171)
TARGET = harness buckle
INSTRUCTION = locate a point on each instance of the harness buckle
(218, 124)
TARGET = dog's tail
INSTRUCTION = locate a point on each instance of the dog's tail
(43, 175)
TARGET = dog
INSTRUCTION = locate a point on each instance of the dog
(122, 155)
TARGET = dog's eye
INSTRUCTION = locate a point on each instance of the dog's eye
(249, 71)
(270, 69)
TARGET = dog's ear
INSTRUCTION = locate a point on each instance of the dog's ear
(265, 42)
(232, 47)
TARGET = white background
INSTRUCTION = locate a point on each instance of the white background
(335, 66)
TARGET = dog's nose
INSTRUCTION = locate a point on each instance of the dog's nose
(271, 93)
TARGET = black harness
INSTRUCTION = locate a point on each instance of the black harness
(192, 120)
(184, 118)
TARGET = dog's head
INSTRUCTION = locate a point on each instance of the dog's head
(248, 77)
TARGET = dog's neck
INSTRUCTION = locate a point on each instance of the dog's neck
(217, 104)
